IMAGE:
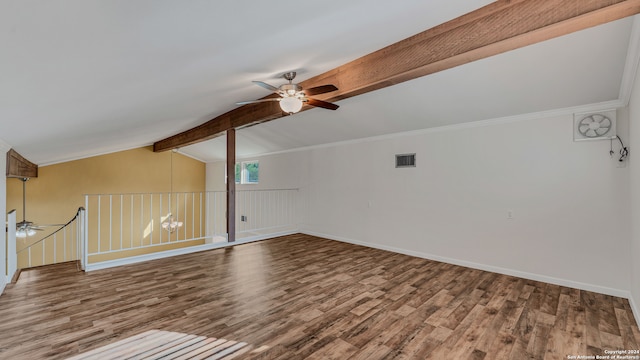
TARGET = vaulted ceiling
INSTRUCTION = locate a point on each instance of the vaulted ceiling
(95, 77)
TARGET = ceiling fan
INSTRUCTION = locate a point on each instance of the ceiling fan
(293, 96)
(26, 228)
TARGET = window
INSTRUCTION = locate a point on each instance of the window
(247, 172)
(250, 172)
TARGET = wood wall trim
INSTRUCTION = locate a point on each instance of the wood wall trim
(20, 167)
(494, 29)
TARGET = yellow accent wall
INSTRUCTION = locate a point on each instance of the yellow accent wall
(58, 191)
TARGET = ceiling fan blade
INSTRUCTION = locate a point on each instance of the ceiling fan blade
(319, 90)
(322, 104)
(266, 86)
(258, 101)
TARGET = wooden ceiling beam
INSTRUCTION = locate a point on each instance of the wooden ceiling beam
(19, 167)
(494, 29)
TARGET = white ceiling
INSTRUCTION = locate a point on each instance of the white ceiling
(80, 78)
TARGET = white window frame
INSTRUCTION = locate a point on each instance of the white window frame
(243, 173)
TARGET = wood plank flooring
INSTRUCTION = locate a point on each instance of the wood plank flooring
(302, 297)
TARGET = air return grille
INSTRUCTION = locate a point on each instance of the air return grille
(405, 160)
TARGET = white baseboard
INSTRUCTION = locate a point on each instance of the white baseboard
(635, 309)
(511, 272)
(147, 257)
(182, 251)
(248, 239)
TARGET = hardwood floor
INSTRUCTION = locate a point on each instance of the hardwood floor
(302, 297)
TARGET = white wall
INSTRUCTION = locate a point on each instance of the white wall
(569, 201)
(3, 210)
(634, 166)
(276, 172)
(215, 176)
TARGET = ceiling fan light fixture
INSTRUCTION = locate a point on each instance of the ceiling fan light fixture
(292, 96)
(290, 105)
(23, 233)
(171, 225)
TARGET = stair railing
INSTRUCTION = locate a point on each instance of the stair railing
(67, 242)
(12, 260)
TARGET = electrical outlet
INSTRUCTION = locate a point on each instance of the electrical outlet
(243, 218)
(510, 214)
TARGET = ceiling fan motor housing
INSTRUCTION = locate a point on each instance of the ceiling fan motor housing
(289, 75)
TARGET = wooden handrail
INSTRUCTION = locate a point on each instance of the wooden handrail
(55, 232)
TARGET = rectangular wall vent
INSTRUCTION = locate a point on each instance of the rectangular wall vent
(405, 160)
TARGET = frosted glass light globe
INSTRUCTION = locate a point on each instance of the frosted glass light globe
(291, 105)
